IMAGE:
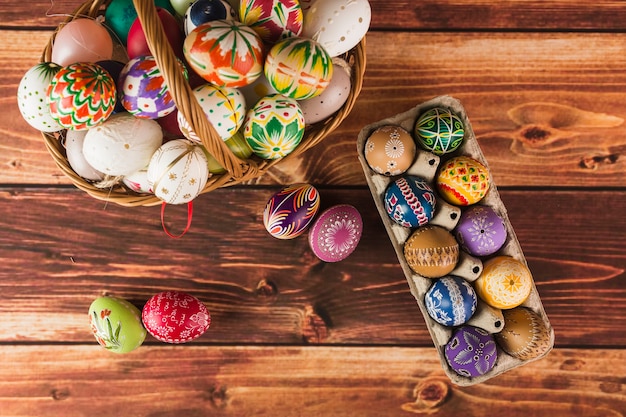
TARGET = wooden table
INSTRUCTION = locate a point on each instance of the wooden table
(544, 84)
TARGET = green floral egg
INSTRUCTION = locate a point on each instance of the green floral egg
(439, 131)
(116, 324)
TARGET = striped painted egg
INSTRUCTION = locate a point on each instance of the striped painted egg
(299, 68)
(290, 211)
(451, 301)
(273, 20)
(81, 95)
(410, 201)
(463, 181)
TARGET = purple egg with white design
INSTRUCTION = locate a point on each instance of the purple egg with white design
(451, 301)
(410, 201)
(336, 233)
(480, 231)
(290, 211)
(471, 351)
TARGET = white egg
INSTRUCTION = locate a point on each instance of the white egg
(320, 107)
(74, 150)
(138, 181)
(256, 90)
(31, 97)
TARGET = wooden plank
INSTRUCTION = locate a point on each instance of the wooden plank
(286, 381)
(61, 249)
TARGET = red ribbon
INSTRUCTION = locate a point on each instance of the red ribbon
(189, 217)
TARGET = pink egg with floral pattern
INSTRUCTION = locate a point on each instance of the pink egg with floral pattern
(175, 317)
(336, 233)
(273, 20)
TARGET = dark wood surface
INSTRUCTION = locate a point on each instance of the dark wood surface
(544, 84)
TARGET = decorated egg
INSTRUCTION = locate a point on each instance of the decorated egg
(463, 181)
(178, 171)
(122, 145)
(336, 233)
(81, 96)
(81, 40)
(471, 351)
(504, 283)
(409, 201)
(143, 89)
(431, 251)
(390, 150)
(257, 90)
(121, 14)
(202, 11)
(137, 45)
(298, 68)
(525, 335)
(175, 317)
(238, 145)
(225, 107)
(31, 97)
(290, 211)
(225, 53)
(138, 181)
(116, 324)
(274, 127)
(439, 131)
(74, 140)
(181, 6)
(338, 25)
(480, 231)
(451, 301)
(334, 96)
(273, 20)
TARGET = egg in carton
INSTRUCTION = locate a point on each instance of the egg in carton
(507, 337)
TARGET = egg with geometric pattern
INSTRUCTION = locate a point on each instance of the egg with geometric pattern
(451, 301)
(463, 181)
(439, 131)
(410, 201)
(471, 351)
(31, 97)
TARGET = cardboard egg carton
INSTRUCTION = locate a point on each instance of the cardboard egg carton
(447, 216)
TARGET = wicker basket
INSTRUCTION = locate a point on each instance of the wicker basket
(237, 170)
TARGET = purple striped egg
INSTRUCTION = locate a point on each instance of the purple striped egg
(290, 211)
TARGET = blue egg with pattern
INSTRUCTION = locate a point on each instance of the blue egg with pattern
(451, 301)
(410, 201)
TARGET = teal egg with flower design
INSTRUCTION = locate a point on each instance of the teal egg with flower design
(274, 127)
(116, 324)
(439, 131)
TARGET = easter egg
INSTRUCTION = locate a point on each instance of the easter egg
(471, 351)
(238, 145)
(390, 150)
(274, 127)
(504, 283)
(431, 251)
(122, 145)
(257, 90)
(202, 11)
(480, 231)
(290, 211)
(81, 40)
(298, 68)
(32, 95)
(225, 53)
(143, 90)
(116, 324)
(334, 96)
(81, 96)
(74, 140)
(138, 181)
(225, 107)
(463, 181)
(451, 301)
(137, 44)
(410, 201)
(525, 335)
(178, 171)
(273, 20)
(175, 317)
(439, 131)
(336, 233)
(121, 14)
(338, 25)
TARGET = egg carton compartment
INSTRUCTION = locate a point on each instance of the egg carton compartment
(446, 215)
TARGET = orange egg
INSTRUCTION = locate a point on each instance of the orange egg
(504, 283)
(390, 150)
(463, 181)
(525, 335)
(431, 251)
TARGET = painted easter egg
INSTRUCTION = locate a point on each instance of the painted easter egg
(273, 20)
(471, 351)
(225, 107)
(525, 335)
(202, 11)
(451, 301)
(74, 140)
(257, 90)
(116, 324)
(439, 131)
(274, 127)
(238, 145)
(81, 40)
(137, 44)
(290, 211)
(431, 251)
(122, 145)
(225, 53)
(32, 95)
(81, 96)
(143, 90)
(480, 231)
(298, 68)
(178, 171)
(410, 201)
(390, 150)
(138, 181)
(332, 99)
(175, 317)
(504, 283)
(463, 181)
(121, 14)
(336, 233)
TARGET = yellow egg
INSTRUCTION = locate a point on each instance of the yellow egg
(525, 335)
(431, 251)
(390, 150)
(504, 283)
(463, 181)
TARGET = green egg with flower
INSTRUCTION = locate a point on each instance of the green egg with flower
(116, 324)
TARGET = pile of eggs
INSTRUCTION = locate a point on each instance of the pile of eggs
(170, 316)
(475, 289)
(262, 70)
